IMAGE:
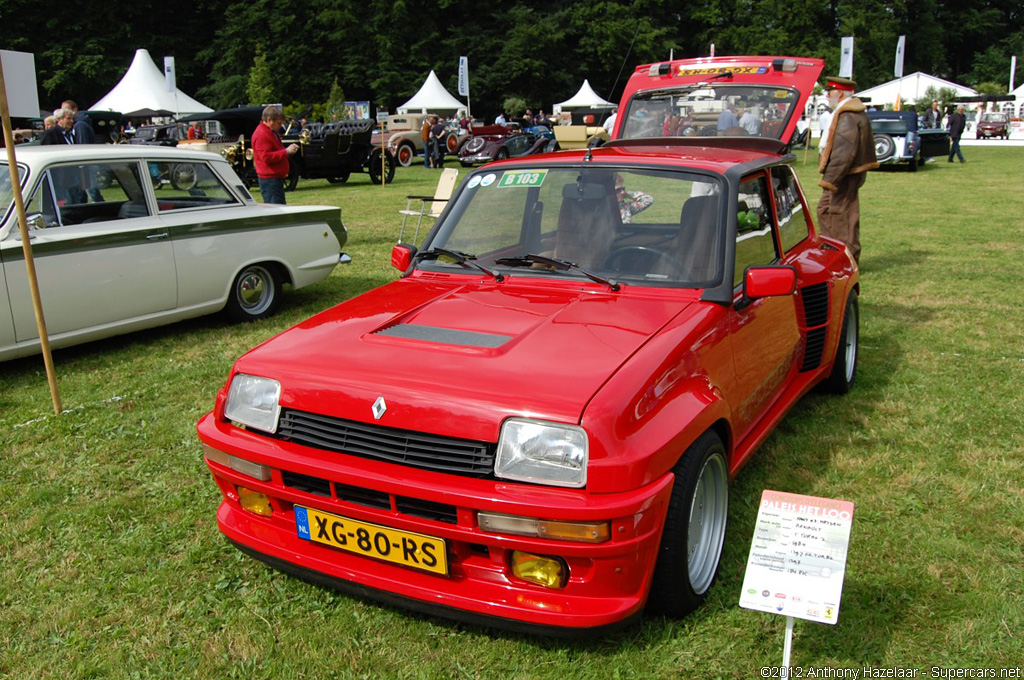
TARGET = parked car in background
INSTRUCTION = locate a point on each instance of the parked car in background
(116, 252)
(331, 151)
(167, 134)
(536, 425)
(403, 135)
(993, 125)
(405, 142)
(899, 140)
(496, 142)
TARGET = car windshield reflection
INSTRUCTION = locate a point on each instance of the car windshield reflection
(645, 227)
(716, 110)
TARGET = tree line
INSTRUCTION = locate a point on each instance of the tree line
(381, 52)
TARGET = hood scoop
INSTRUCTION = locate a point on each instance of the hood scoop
(448, 336)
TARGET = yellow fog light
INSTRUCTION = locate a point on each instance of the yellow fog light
(549, 572)
(254, 501)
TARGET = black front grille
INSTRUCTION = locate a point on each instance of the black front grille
(355, 494)
(414, 449)
(321, 487)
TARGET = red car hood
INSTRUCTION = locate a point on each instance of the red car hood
(456, 357)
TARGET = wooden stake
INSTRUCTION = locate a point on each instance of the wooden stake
(26, 245)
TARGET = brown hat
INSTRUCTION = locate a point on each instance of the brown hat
(837, 83)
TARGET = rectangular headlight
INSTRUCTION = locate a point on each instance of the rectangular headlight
(545, 453)
(252, 401)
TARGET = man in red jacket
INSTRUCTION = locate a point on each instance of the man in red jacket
(270, 156)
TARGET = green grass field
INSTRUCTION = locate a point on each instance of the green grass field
(111, 564)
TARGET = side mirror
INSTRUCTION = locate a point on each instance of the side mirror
(401, 257)
(35, 221)
(769, 281)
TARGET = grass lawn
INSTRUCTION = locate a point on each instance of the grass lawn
(111, 564)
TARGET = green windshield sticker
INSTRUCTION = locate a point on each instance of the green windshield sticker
(522, 178)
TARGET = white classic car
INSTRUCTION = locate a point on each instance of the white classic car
(131, 237)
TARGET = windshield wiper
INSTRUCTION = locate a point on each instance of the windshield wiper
(462, 259)
(560, 265)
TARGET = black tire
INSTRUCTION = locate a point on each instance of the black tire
(293, 180)
(913, 164)
(884, 147)
(698, 507)
(340, 179)
(375, 169)
(255, 293)
(405, 154)
(501, 155)
(844, 370)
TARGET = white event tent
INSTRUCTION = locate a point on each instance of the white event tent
(911, 89)
(1016, 107)
(432, 98)
(586, 98)
(143, 92)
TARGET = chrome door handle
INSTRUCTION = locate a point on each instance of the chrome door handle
(157, 237)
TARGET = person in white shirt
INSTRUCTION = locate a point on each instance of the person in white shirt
(609, 124)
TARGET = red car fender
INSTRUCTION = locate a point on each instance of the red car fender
(659, 402)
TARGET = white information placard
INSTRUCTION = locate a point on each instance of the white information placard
(798, 556)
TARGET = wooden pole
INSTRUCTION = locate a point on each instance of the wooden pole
(26, 246)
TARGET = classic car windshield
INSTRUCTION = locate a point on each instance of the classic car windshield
(647, 227)
(710, 110)
(993, 118)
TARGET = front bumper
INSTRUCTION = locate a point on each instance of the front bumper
(607, 584)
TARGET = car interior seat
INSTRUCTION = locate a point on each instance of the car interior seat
(698, 238)
(586, 227)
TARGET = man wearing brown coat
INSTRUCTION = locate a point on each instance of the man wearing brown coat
(847, 156)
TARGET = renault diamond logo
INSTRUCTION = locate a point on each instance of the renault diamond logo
(379, 407)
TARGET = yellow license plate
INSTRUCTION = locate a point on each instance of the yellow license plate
(370, 540)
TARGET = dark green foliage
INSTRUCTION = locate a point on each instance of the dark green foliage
(539, 51)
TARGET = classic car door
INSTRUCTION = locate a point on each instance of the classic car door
(765, 333)
(102, 258)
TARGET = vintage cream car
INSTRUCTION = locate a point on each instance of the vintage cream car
(131, 237)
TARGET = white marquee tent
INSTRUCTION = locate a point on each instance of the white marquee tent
(1016, 107)
(143, 92)
(911, 89)
(431, 98)
(586, 98)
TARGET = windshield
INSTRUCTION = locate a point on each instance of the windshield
(641, 226)
(993, 118)
(711, 110)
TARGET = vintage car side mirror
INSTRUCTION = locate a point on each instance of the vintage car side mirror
(767, 281)
(35, 221)
(401, 256)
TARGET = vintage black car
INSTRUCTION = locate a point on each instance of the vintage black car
(332, 151)
(158, 135)
(899, 140)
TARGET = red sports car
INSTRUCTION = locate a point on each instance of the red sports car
(535, 426)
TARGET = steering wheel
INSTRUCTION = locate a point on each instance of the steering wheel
(644, 255)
